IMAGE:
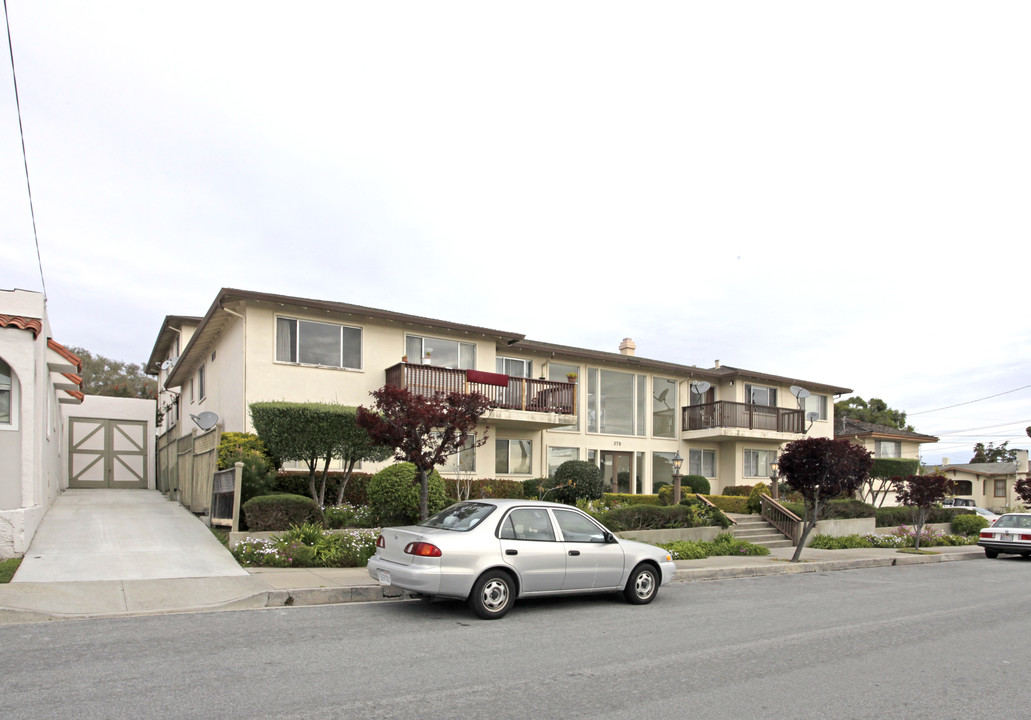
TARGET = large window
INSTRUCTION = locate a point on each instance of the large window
(6, 394)
(514, 367)
(701, 462)
(440, 352)
(559, 455)
(316, 343)
(999, 488)
(757, 462)
(464, 460)
(616, 404)
(816, 404)
(664, 407)
(662, 470)
(761, 395)
(888, 449)
(559, 372)
(512, 457)
(202, 391)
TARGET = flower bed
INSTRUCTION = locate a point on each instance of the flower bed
(902, 537)
(309, 546)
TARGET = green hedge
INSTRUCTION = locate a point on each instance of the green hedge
(279, 512)
(836, 509)
(658, 517)
(394, 494)
(730, 503)
(968, 524)
(892, 467)
(903, 515)
(735, 490)
(627, 499)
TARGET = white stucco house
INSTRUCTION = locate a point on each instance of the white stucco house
(52, 436)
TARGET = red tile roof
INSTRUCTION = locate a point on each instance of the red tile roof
(33, 325)
(65, 353)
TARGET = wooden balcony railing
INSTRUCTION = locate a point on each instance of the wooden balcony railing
(781, 518)
(518, 394)
(743, 415)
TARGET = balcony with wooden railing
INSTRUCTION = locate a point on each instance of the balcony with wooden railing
(734, 419)
(514, 393)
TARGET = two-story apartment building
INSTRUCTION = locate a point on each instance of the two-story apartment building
(551, 403)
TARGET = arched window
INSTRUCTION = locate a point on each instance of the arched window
(6, 394)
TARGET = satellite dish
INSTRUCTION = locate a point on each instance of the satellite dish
(166, 364)
(206, 420)
(799, 392)
(701, 387)
(812, 416)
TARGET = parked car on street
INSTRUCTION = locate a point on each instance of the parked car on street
(1011, 534)
(490, 552)
(986, 514)
(958, 502)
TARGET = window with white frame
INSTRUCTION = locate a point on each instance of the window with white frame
(317, 343)
(761, 395)
(616, 402)
(888, 449)
(464, 460)
(7, 394)
(512, 457)
(201, 389)
(664, 407)
(816, 404)
(514, 367)
(559, 455)
(999, 489)
(439, 352)
(757, 463)
(701, 462)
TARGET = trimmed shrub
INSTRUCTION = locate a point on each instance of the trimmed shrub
(583, 480)
(894, 467)
(532, 489)
(744, 490)
(902, 515)
(724, 544)
(394, 494)
(754, 503)
(488, 488)
(279, 512)
(837, 509)
(665, 495)
(625, 499)
(730, 503)
(234, 446)
(968, 524)
(696, 483)
(297, 483)
(656, 517)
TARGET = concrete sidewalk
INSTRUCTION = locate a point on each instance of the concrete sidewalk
(26, 602)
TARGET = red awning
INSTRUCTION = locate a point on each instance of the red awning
(486, 378)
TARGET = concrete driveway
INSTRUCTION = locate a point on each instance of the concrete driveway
(99, 534)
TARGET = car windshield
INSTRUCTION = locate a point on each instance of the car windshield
(1014, 521)
(461, 516)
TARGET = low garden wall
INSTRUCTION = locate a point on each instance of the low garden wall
(700, 534)
(862, 526)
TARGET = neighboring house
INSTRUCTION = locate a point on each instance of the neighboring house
(37, 374)
(883, 441)
(991, 485)
(51, 435)
(627, 414)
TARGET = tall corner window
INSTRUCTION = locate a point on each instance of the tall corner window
(664, 407)
(761, 395)
(317, 343)
(201, 384)
(6, 394)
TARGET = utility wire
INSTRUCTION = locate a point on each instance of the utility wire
(24, 155)
(968, 402)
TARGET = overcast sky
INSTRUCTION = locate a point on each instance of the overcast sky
(833, 191)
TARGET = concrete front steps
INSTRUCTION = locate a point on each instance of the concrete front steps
(753, 529)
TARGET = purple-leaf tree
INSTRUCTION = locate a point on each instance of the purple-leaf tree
(922, 492)
(821, 468)
(423, 430)
(1023, 487)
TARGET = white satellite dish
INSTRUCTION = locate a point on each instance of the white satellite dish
(206, 420)
(812, 416)
(799, 392)
(166, 364)
(701, 387)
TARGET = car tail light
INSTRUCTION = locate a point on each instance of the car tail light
(422, 549)
(380, 542)
(984, 534)
(1025, 537)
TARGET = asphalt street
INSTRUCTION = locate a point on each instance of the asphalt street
(942, 640)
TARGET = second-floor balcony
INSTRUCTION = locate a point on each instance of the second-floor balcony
(553, 403)
(733, 419)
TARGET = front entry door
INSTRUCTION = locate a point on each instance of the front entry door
(107, 453)
(616, 470)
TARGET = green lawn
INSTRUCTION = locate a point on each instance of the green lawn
(8, 568)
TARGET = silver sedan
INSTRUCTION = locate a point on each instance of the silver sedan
(490, 552)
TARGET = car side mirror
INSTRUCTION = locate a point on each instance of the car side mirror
(609, 537)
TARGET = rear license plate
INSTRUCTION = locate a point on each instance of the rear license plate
(384, 577)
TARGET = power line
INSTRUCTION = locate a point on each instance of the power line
(24, 155)
(968, 402)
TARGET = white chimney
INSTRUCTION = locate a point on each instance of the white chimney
(717, 365)
(627, 347)
(1022, 461)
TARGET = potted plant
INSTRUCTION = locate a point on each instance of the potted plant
(404, 358)
(426, 360)
(571, 377)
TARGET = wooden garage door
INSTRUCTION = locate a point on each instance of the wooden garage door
(107, 453)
